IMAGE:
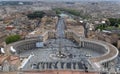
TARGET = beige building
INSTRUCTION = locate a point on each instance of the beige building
(118, 44)
(47, 24)
(2, 38)
(75, 27)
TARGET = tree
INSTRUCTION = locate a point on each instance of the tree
(114, 21)
(12, 38)
(101, 27)
(36, 14)
(70, 11)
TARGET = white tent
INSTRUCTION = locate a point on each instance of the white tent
(2, 50)
(12, 49)
(40, 44)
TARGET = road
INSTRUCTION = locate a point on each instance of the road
(60, 28)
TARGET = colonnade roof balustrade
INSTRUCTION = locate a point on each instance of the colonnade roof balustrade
(112, 51)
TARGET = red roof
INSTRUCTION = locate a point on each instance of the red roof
(9, 28)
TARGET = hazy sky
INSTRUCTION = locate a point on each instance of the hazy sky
(59, 0)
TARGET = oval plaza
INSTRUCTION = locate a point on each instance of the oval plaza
(64, 50)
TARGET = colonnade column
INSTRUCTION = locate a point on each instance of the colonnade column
(76, 66)
(65, 64)
(72, 66)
